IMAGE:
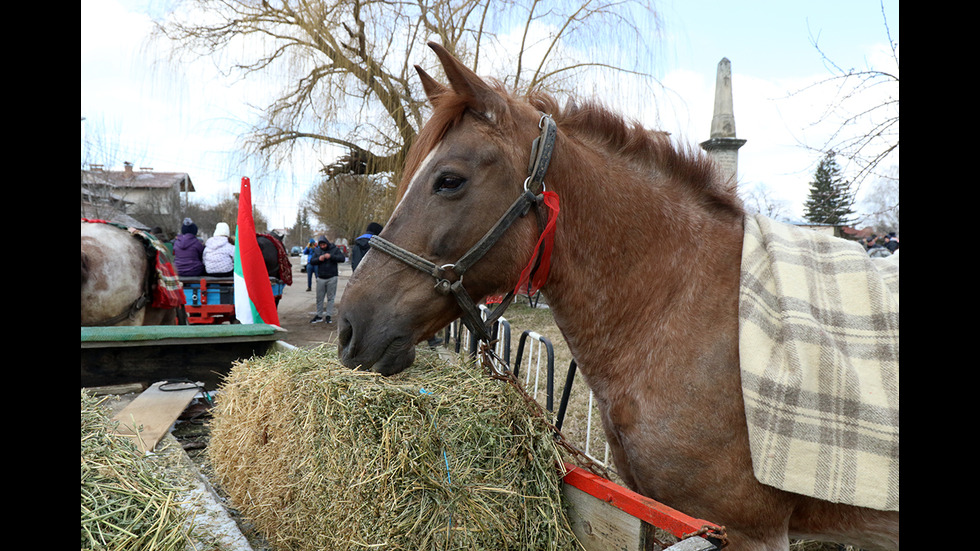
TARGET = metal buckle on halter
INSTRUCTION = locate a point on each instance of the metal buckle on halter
(443, 286)
(541, 149)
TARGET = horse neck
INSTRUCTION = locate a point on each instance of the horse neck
(634, 252)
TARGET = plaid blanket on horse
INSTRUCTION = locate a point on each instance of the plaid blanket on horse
(818, 339)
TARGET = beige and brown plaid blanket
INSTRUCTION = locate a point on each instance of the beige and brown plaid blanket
(818, 342)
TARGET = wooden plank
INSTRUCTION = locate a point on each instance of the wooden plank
(599, 526)
(149, 417)
(116, 390)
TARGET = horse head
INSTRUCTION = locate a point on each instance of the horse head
(462, 176)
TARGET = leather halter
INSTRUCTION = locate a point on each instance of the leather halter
(130, 312)
(541, 151)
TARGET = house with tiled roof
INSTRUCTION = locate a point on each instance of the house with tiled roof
(139, 198)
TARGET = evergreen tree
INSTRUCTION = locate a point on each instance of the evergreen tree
(831, 200)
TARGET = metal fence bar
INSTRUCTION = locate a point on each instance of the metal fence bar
(565, 394)
(563, 407)
(541, 341)
(540, 351)
(502, 348)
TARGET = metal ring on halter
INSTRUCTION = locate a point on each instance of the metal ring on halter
(451, 267)
(541, 120)
(528, 179)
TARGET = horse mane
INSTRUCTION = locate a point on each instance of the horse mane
(596, 124)
(593, 122)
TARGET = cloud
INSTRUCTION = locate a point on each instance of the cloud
(189, 118)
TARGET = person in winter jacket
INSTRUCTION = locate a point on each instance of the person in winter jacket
(891, 242)
(362, 244)
(219, 253)
(307, 255)
(324, 260)
(188, 251)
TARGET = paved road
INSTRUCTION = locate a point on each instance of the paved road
(298, 307)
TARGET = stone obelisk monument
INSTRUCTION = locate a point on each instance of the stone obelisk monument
(723, 146)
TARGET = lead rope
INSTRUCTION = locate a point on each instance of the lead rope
(495, 367)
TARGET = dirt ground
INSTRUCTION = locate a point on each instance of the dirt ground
(298, 306)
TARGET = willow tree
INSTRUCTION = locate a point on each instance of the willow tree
(344, 72)
(348, 202)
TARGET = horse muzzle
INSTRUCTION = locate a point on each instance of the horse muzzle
(379, 346)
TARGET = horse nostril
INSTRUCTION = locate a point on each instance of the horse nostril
(345, 337)
(346, 331)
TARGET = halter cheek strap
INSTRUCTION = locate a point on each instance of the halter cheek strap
(541, 152)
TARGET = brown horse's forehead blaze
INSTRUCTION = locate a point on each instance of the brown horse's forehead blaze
(442, 120)
(461, 142)
(413, 170)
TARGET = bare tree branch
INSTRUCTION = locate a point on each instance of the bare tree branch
(866, 135)
(341, 71)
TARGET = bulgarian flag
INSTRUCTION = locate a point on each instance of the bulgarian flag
(254, 302)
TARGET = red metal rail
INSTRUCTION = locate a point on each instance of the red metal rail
(648, 510)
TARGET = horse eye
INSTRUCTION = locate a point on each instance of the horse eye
(449, 182)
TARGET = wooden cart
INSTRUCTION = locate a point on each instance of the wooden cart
(123, 355)
(211, 300)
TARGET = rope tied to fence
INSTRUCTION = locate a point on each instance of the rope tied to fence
(498, 370)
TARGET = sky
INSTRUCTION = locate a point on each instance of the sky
(139, 110)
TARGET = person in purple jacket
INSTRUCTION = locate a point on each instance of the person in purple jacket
(188, 251)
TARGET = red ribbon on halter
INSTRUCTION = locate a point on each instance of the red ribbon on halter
(542, 250)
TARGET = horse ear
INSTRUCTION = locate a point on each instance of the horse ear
(465, 82)
(433, 90)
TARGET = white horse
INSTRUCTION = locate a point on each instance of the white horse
(116, 279)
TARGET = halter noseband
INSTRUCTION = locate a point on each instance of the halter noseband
(541, 150)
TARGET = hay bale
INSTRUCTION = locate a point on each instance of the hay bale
(317, 456)
(127, 501)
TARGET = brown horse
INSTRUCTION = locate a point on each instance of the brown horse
(117, 279)
(667, 269)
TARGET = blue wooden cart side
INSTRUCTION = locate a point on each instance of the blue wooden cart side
(211, 300)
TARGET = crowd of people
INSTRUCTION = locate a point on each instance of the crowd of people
(881, 245)
(215, 257)
(212, 258)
